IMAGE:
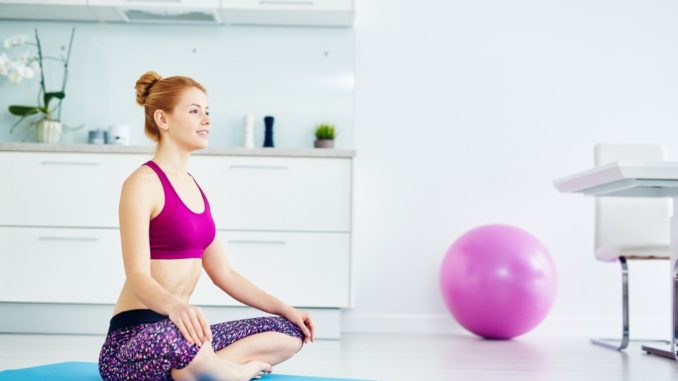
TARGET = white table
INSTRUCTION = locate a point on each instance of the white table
(637, 179)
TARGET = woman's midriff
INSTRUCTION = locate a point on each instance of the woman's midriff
(176, 276)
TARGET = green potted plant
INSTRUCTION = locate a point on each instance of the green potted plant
(324, 134)
(46, 115)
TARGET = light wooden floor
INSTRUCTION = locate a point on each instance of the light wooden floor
(405, 357)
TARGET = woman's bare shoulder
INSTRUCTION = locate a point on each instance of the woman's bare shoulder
(143, 181)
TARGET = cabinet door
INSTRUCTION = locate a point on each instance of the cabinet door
(52, 265)
(301, 269)
(288, 12)
(63, 189)
(45, 2)
(318, 5)
(275, 193)
(76, 10)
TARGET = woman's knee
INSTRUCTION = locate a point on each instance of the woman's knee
(289, 345)
(290, 328)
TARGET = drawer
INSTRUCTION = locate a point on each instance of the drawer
(275, 193)
(63, 189)
(309, 5)
(53, 265)
(301, 269)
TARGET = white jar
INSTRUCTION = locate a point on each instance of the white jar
(118, 134)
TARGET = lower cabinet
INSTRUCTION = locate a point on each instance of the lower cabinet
(302, 269)
(60, 265)
(64, 265)
(284, 221)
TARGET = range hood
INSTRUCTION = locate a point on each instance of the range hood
(157, 11)
(173, 16)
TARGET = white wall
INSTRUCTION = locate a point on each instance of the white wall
(466, 111)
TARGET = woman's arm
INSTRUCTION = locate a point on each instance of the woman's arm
(234, 284)
(136, 200)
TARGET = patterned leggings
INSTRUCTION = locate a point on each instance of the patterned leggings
(149, 351)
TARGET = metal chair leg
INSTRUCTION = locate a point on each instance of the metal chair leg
(617, 344)
(670, 349)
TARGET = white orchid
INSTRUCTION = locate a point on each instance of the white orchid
(4, 64)
(24, 66)
(35, 66)
(15, 73)
(27, 65)
(16, 70)
(15, 76)
(25, 70)
(13, 41)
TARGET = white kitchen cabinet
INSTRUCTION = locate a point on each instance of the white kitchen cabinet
(303, 269)
(288, 12)
(63, 189)
(60, 265)
(45, 2)
(285, 221)
(56, 10)
(276, 193)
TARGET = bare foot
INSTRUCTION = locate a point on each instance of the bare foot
(259, 367)
(251, 369)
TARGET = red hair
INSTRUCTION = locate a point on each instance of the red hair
(157, 93)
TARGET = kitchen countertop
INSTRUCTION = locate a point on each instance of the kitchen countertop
(235, 151)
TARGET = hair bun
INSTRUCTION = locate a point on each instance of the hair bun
(144, 84)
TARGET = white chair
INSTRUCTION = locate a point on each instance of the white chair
(629, 228)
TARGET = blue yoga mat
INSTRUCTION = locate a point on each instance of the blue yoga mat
(88, 371)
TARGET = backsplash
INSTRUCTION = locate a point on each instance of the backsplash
(302, 76)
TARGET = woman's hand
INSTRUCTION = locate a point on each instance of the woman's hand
(302, 319)
(191, 323)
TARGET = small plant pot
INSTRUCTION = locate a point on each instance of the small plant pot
(48, 131)
(324, 143)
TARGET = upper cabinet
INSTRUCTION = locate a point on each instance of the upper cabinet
(288, 12)
(59, 10)
(237, 12)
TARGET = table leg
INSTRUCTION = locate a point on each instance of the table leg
(671, 352)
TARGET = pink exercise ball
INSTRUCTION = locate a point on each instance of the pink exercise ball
(498, 281)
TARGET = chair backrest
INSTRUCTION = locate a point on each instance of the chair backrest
(631, 220)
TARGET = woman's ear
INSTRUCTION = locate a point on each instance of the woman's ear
(161, 120)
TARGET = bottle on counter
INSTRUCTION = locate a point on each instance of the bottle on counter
(248, 141)
(268, 134)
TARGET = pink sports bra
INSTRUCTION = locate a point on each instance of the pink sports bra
(178, 232)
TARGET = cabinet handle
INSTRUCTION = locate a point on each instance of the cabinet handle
(243, 166)
(256, 241)
(53, 238)
(53, 162)
(287, 2)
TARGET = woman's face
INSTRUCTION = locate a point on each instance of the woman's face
(189, 123)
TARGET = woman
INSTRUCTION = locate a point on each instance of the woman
(167, 235)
